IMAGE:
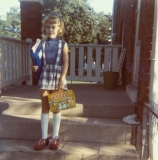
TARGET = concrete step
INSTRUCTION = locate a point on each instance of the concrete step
(80, 129)
(23, 150)
(92, 101)
(32, 107)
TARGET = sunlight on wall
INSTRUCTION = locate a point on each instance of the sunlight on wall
(154, 62)
(153, 124)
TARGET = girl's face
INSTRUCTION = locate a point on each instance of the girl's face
(52, 30)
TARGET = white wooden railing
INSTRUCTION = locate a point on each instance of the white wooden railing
(14, 61)
(85, 53)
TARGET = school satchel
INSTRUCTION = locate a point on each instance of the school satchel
(37, 58)
(61, 100)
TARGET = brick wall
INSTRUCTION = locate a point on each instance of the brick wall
(125, 13)
(31, 17)
(145, 35)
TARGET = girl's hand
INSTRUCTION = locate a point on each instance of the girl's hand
(34, 68)
(61, 84)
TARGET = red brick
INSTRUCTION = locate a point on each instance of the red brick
(31, 17)
(143, 83)
(143, 90)
(144, 62)
(145, 69)
(144, 76)
(146, 54)
(150, 16)
(139, 112)
(148, 39)
(147, 47)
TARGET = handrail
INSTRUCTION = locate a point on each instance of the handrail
(96, 45)
(146, 128)
(151, 109)
(13, 39)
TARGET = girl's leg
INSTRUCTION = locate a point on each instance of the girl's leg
(45, 113)
(56, 124)
(44, 120)
(44, 99)
(54, 142)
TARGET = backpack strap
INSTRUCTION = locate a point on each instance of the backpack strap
(35, 46)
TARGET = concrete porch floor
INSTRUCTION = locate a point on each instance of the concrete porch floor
(93, 94)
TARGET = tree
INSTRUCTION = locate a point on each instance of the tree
(104, 27)
(11, 26)
(82, 23)
(79, 18)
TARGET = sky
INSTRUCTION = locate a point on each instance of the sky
(98, 5)
(102, 5)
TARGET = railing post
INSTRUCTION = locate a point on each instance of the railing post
(29, 61)
(110, 59)
(0, 72)
(144, 133)
(1, 64)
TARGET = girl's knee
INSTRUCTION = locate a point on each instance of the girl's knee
(44, 93)
(56, 112)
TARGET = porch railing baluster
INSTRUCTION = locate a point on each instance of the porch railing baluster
(98, 60)
(106, 58)
(89, 62)
(81, 60)
(99, 53)
(14, 61)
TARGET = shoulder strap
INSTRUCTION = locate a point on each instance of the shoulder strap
(43, 51)
(58, 54)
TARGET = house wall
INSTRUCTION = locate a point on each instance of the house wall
(145, 35)
(125, 12)
(31, 17)
(125, 15)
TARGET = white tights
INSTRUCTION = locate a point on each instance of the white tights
(44, 124)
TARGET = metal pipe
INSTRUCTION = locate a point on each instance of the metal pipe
(113, 20)
(112, 35)
(144, 133)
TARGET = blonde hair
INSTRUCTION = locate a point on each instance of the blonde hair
(53, 18)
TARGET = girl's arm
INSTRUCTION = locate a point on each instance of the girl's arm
(64, 67)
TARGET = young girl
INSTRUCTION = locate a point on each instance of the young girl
(55, 66)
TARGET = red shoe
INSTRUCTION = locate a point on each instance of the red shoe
(41, 144)
(54, 143)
